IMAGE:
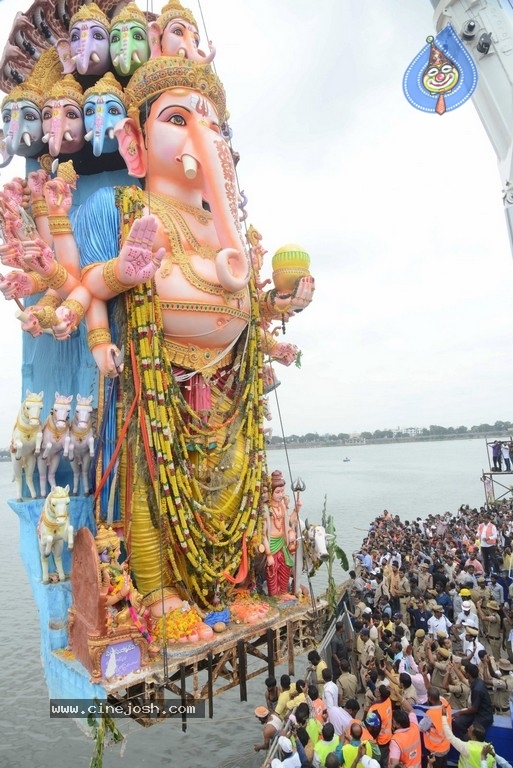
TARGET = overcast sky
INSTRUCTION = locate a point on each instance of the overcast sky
(401, 213)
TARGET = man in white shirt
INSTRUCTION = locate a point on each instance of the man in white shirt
(330, 690)
(465, 618)
(471, 645)
(438, 622)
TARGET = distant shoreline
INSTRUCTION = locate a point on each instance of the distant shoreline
(384, 441)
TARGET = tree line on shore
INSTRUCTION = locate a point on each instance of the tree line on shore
(434, 431)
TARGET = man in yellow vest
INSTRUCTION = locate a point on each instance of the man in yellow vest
(435, 742)
(347, 753)
(405, 746)
(471, 751)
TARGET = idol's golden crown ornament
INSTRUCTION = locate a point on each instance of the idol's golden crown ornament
(175, 10)
(106, 85)
(66, 88)
(26, 92)
(166, 72)
(90, 12)
(129, 13)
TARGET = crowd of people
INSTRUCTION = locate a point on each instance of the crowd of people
(425, 661)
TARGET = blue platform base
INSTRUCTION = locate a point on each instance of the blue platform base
(66, 678)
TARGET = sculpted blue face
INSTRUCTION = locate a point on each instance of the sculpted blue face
(101, 113)
(23, 128)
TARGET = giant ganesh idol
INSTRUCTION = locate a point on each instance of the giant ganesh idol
(178, 324)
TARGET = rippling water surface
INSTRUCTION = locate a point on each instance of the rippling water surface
(411, 480)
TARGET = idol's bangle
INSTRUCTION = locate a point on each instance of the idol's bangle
(59, 225)
(49, 300)
(98, 336)
(76, 307)
(58, 276)
(111, 279)
(40, 283)
(39, 208)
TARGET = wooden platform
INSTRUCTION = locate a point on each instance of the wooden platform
(198, 672)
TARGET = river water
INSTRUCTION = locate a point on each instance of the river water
(412, 480)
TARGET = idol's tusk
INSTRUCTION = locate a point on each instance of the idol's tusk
(190, 166)
(88, 136)
(55, 165)
(116, 60)
(46, 138)
(67, 136)
(110, 133)
(182, 52)
(26, 138)
(136, 57)
(94, 57)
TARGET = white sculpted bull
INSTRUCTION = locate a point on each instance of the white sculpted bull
(26, 441)
(53, 529)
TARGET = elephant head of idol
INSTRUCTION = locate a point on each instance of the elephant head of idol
(172, 137)
(104, 107)
(175, 33)
(87, 48)
(22, 121)
(63, 119)
(129, 47)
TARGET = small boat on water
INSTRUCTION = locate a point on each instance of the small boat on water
(347, 459)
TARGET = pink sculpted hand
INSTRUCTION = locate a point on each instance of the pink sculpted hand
(15, 285)
(299, 299)
(30, 323)
(284, 353)
(58, 196)
(67, 323)
(137, 262)
(38, 257)
(105, 356)
(36, 182)
(11, 254)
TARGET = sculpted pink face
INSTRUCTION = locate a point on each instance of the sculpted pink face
(180, 38)
(63, 126)
(174, 119)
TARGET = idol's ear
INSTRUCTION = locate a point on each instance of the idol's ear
(154, 36)
(131, 146)
(63, 49)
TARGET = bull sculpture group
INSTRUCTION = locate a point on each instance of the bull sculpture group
(46, 444)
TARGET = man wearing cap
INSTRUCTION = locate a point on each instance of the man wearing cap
(490, 618)
(393, 586)
(272, 726)
(502, 682)
(471, 645)
(347, 683)
(290, 758)
(465, 619)
(404, 593)
(438, 622)
(425, 578)
(368, 653)
(482, 592)
(398, 622)
(438, 660)
(419, 646)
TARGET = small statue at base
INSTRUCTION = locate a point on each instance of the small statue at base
(279, 539)
(125, 604)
